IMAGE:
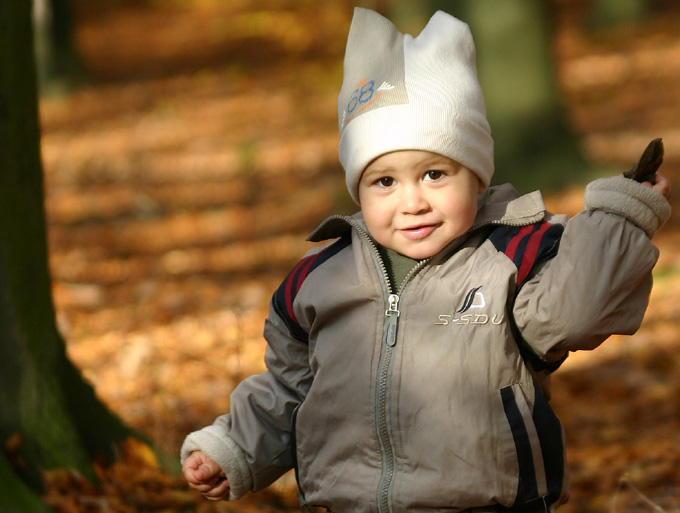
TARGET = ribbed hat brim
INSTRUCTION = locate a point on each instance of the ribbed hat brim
(414, 127)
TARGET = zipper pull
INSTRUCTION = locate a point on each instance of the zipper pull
(392, 313)
(393, 305)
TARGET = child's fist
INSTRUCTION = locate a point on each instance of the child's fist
(206, 476)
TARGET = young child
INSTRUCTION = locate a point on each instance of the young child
(408, 359)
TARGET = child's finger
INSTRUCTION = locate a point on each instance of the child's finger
(662, 185)
(204, 488)
(219, 491)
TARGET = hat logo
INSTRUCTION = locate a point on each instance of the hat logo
(364, 95)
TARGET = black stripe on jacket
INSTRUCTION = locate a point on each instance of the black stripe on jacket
(285, 295)
(549, 431)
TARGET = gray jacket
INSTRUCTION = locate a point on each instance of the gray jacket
(433, 395)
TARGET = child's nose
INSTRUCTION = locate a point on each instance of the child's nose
(413, 200)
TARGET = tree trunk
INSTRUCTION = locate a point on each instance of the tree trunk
(44, 401)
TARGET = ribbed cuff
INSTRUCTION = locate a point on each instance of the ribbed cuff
(639, 204)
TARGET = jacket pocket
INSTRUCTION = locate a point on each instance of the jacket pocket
(537, 433)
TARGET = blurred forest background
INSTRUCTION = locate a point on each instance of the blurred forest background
(191, 147)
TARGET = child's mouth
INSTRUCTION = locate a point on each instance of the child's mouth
(419, 232)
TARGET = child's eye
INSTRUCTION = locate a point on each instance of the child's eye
(433, 175)
(386, 181)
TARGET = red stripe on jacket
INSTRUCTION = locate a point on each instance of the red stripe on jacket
(531, 251)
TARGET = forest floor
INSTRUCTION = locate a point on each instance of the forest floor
(183, 177)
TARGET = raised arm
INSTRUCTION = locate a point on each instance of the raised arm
(599, 281)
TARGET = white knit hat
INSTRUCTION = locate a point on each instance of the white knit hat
(405, 93)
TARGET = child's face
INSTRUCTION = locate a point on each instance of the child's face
(416, 202)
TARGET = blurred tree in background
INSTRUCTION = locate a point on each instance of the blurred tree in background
(50, 416)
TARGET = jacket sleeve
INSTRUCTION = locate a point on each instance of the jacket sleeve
(252, 442)
(599, 280)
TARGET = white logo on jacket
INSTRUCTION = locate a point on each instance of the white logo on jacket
(474, 300)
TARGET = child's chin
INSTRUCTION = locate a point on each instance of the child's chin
(419, 253)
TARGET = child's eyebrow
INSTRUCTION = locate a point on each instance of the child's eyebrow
(381, 171)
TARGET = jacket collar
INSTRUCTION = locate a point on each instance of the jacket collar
(503, 206)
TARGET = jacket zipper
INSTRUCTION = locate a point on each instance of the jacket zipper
(382, 403)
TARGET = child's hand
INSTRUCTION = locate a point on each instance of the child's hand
(661, 185)
(206, 476)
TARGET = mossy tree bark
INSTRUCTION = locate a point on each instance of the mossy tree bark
(46, 405)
